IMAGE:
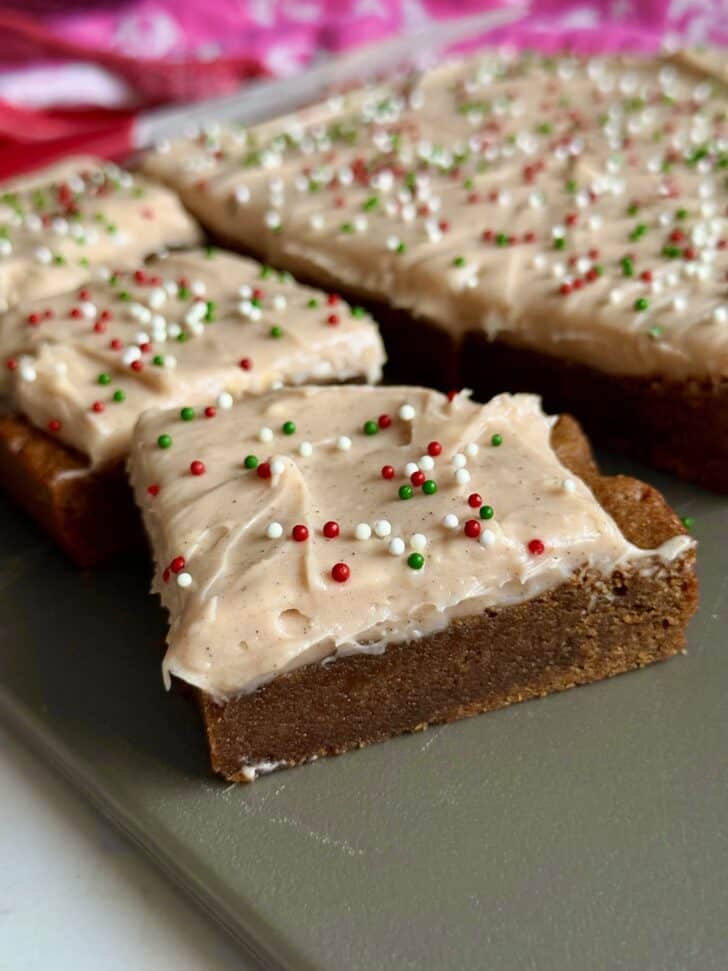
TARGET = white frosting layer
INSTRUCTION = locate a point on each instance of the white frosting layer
(187, 329)
(250, 596)
(60, 222)
(574, 207)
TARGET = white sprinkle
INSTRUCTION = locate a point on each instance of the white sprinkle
(274, 530)
(225, 400)
(27, 371)
(426, 463)
(242, 194)
(305, 449)
(245, 291)
(316, 221)
(397, 547)
(265, 434)
(410, 468)
(680, 302)
(487, 538)
(407, 412)
(418, 541)
(142, 337)
(279, 302)
(198, 288)
(392, 242)
(272, 219)
(459, 461)
(130, 355)
(616, 296)
(184, 580)
(170, 361)
(277, 466)
(471, 449)
(343, 443)
(462, 476)
(382, 528)
(450, 521)
(6, 247)
(568, 485)
(363, 531)
(720, 315)
(43, 255)
(88, 309)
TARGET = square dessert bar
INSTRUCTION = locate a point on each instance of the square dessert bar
(59, 223)
(519, 223)
(353, 563)
(189, 330)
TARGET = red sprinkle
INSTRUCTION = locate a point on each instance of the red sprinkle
(115, 344)
(34, 319)
(452, 394)
(434, 449)
(178, 564)
(153, 490)
(263, 470)
(83, 294)
(99, 327)
(340, 572)
(137, 365)
(387, 472)
(384, 421)
(536, 547)
(245, 363)
(472, 528)
(331, 529)
(332, 320)
(210, 411)
(417, 478)
(565, 289)
(165, 575)
(98, 407)
(333, 299)
(646, 275)
(54, 425)
(76, 313)
(11, 364)
(197, 467)
(474, 500)
(299, 533)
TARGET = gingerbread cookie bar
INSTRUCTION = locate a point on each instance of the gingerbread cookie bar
(510, 209)
(60, 223)
(191, 328)
(341, 565)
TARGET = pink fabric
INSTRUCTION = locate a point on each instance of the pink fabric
(161, 50)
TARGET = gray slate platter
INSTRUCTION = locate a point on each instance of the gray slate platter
(585, 831)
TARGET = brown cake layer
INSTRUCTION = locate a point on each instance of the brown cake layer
(588, 628)
(679, 426)
(90, 515)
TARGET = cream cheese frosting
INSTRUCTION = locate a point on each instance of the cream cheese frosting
(59, 222)
(571, 206)
(189, 328)
(314, 522)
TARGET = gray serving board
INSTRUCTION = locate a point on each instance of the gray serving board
(585, 831)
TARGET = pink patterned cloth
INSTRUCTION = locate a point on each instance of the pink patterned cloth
(139, 52)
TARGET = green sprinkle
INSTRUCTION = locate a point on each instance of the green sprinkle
(182, 337)
(104, 378)
(501, 239)
(571, 186)
(544, 128)
(265, 272)
(486, 512)
(164, 441)
(415, 561)
(559, 242)
(370, 427)
(119, 396)
(288, 428)
(429, 487)
(496, 440)
(250, 461)
(124, 295)
(655, 332)
(371, 203)
(276, 331)
(59, 260)
(633, 208)
(672, 252)
(183, 293)
(459, 261)
(681, 214)
(401, 247)
(688, 522)
(187, 414)
(641, 303)
(210, 308)
(210, 252)
(638, 232)
(312, 303)
(358, 312)
(627, 266)
(346, 228)
(405, 491)
(158, 360)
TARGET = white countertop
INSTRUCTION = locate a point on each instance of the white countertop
(77, 896)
